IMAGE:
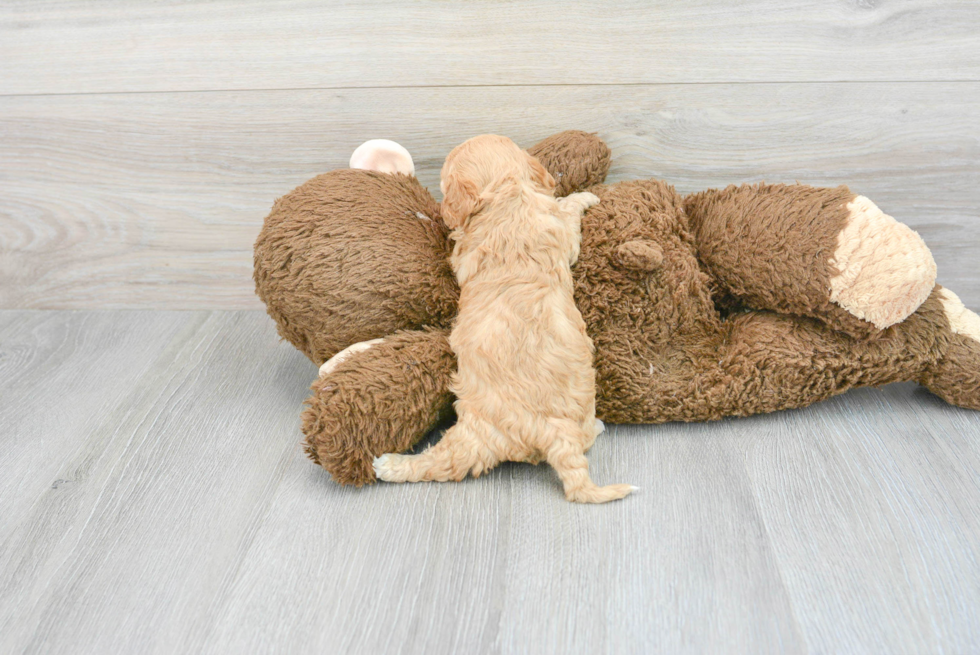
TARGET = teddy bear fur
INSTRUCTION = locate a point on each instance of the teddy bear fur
(711, 305)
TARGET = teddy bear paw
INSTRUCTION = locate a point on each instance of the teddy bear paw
(885, 269)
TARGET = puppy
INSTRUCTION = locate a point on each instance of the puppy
(525, 382)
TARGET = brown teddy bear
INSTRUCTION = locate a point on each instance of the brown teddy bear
(722, 303)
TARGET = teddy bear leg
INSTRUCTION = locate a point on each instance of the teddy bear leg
(379, 399)
(956, 377)
(884, 269)
(824, 253)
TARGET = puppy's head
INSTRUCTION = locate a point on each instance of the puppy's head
(479, 169)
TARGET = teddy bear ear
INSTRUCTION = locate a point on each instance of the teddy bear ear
(383, 156)
(640, 255)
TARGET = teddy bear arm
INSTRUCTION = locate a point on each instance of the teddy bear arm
(824, 253)
(382, 398)
(577, 160)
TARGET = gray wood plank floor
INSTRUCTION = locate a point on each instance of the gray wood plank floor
(155, 499)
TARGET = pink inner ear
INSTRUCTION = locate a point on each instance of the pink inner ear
(383, 156)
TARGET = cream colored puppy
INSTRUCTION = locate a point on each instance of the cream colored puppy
(525, 382)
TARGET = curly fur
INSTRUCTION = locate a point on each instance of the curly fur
(524, 383)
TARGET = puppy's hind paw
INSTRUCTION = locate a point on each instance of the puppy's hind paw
(386, 467)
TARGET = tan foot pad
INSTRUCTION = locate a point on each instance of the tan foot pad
(886, 270)
(961, 320)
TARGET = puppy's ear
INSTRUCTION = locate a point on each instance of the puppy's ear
(540, 174)
(462, 199)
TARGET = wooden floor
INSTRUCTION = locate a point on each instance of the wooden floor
(156, 499)
(153, 494)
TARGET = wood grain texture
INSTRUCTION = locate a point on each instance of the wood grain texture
(868, 488)
(129, 523)
(83, 47)
(56, 408)
(174, 512)
(154, 200)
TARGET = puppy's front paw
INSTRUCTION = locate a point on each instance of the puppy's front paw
(579, 201)
(588, 199)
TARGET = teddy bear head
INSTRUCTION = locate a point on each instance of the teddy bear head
(361, 253)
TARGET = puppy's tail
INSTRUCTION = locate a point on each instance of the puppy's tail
(566, 454)
(592, 493)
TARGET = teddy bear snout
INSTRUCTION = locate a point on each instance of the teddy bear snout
(640, 255)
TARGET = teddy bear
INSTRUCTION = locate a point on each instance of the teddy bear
(748, 299)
